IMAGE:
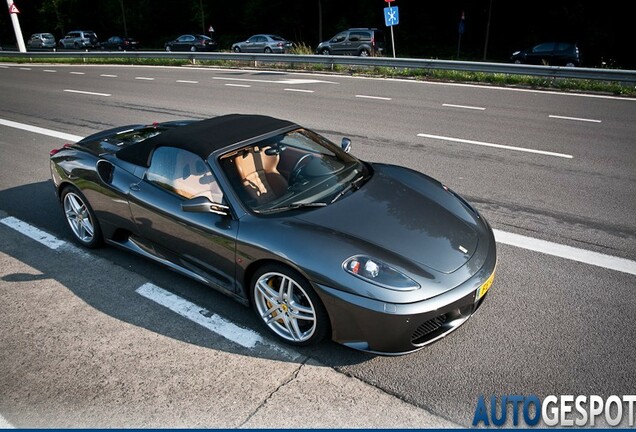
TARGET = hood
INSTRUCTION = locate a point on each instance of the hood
(407, 213)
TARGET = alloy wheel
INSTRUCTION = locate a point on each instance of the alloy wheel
(79, 218)
(285, 307)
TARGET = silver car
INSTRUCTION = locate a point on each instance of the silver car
(267, 43)
(79, 39)
(41, 40)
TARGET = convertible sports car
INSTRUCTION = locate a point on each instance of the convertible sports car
(321, 244)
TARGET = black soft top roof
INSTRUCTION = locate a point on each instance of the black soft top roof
(204, 137)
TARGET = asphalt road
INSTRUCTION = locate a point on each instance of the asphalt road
(545, 165)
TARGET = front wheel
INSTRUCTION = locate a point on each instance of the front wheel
(237, 49)
(288, 305)
(81, 218)
(193, 48)
(168, 49)
(325, 51)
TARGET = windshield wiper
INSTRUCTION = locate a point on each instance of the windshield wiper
(291, 207)
(353, 185)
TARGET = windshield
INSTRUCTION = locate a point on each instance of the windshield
(291, 170)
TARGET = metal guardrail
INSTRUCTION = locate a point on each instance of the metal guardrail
(620, 75)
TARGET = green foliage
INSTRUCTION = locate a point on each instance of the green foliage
(301, 48)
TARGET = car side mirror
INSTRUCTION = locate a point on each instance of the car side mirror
(346, 145)
(203, 204)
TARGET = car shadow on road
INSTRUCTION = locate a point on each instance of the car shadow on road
(101, 286)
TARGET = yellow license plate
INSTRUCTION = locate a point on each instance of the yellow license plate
(483, 289)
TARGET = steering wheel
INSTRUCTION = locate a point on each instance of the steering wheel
(298, 167)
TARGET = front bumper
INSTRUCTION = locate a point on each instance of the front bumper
(393, 329)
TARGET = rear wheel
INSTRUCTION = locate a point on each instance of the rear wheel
(268, 50)
(81, 218)
(193, 48)
(288, 305)
(364, 53)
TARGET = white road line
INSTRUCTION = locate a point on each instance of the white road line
(77, 73)
(4, 67)
(188, 82)
(49, 70)
(374, 97)
(283, 81)
(25, 68)
(499, 146)
(464, 106)
(239, 85)
(41, 131)
(299, 90)
(203, 317)
(144, 78)
(87, 92)
(108, 76)
(568, 252)
(574, 118)
(36, 234)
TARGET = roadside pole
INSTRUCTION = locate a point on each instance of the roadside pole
(461, 32)
(391, 18)
(13, 11)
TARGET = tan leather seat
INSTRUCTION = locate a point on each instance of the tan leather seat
(194, 179)
(259, 175)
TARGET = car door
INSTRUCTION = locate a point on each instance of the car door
(248, 46)
(203, 243)
(338, 43)
(184, 42)
(541, 54)
(255, 44)
(115, 42)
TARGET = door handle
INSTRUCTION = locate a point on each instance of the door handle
(135, 187)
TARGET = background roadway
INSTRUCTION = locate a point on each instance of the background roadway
(550, 326)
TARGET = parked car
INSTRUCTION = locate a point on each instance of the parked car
(120, 43)
(355, 41)
(41, 40)
(378, 257)
(79, 39)
(264, 43)
(549, 54)
(191, 42)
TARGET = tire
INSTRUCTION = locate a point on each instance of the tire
(268, 50)
(81, 218)
(570, 64)
(76, 45)
(325, 51)
(168, 49)
(193, 49)
(237, 49)
(288, 306)
(364, 53)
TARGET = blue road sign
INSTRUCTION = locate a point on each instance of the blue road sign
(391, 16)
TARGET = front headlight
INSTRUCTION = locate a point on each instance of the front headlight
(378, 273)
